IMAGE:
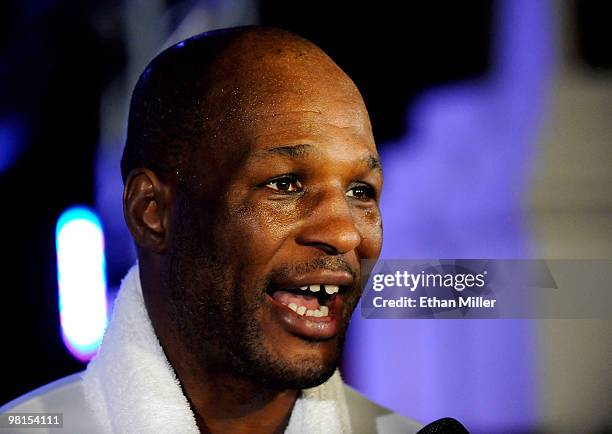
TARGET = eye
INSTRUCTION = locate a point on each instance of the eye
(285, 184)
(362, 192)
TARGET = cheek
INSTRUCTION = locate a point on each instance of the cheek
(259, 228)
(370, 227)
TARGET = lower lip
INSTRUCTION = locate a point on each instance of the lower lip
(325, 327)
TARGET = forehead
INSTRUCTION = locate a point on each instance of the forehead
(291, 117)
(293, 100)
(283, 99)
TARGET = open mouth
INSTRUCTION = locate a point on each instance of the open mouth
(310, 306)
(312, 301)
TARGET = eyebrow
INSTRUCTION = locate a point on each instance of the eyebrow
(373, 162)
(293, 151)
(302, 150)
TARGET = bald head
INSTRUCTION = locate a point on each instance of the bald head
(205, 92)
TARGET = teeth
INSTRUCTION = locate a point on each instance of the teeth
(332, 289)
(322, 311)
(302, 310)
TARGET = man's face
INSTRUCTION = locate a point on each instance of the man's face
(270, 229)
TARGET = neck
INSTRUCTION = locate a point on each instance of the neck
(225, 402)
(221, 400)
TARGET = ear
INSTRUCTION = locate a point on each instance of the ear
(146, 208)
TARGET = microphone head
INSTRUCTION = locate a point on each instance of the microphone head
(446, 425)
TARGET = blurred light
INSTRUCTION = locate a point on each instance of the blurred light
(81, 277)
(12, 142)
(454, 188)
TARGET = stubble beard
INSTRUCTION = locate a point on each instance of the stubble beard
(218, 322)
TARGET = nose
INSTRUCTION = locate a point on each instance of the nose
(330, 227)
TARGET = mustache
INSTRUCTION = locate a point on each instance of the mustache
(329, 263)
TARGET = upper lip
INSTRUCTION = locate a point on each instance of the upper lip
(321, 277)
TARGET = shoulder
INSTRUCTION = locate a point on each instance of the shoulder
(369, 417)
(65, 396)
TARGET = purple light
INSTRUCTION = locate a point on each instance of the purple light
(454, 189)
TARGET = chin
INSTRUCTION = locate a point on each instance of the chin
(312, 380)
(305, 365)
(304, 375)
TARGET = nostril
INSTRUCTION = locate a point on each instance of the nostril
(327, 248)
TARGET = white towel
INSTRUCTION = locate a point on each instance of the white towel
(132, 388)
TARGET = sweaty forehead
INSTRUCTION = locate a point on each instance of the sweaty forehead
(267, 85)
(260, 60)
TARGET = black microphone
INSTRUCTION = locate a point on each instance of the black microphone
(446, 425)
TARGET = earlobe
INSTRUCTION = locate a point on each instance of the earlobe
(146, 202)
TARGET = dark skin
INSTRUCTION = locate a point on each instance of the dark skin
(287, 192)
